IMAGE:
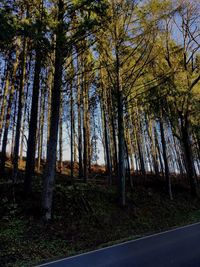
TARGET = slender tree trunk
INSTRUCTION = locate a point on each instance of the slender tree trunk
(107, 148)
(128, 169)
(75, 144)
(50, 83)
(8, 113)
(72, 132)
(152, 145)
(5, 70)
(130, 149)
(60, 165)
(14, 116)
(178, 154)
(41, 129)
(85, 130)
(79, 101)
(31, 146)
(19, 113)
(164, 148)
(114, 142)
(121, 148)
(138, 141)
(48, 186)
(23, 123)
(105, 129)
(5, 135)
(188, 155)
(157, 146)
(4, 100)
(121, 139)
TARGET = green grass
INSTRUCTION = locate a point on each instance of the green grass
(86, 217)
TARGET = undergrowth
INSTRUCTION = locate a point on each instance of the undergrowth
(86, 217)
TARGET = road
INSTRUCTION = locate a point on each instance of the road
(175, 248)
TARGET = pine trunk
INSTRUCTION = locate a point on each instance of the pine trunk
(164, 149)
(188, 154)
(31, 145)
(47, 195)
(19, 112)
(8, 114)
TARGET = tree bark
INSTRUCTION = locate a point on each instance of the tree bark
(188, 154)
(164, 149)
(30, 156)
(79, 101)
(60, 165)
(72, 132)
(47, 195)
(8, 113)
(19, 113)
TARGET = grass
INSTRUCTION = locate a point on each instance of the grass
(86, 217)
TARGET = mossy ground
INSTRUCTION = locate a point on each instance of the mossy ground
(86, 217)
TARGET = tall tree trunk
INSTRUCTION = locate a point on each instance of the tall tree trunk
(50, 85)
(105, 129)
(107, 147)
(130, 149)
(188, 154)
(75, 144)
(164, 149)
(5, 135)
(4, 100)
(178, 154)
(139, 142)
(24, 120)
(20, 107)
(31, 146)
(79, 101)
(85, 130)
(60, 168)
(47, 195)
(152, 145)
(113, 137)
(14, 116)
(121, 148)
(8, 112)
(72, 132)
(41, 129)
(157, 146)
(121, 139)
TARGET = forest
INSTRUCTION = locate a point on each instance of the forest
(99, 123)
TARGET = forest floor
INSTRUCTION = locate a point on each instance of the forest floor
(86, 217)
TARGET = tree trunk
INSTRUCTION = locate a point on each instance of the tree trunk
(105, 129)
(160, 162)
(4, 100)
(60, 168)
(121, 139)
(138, 142)
(72, 132)
(47, 195)
(23, 122)
(121, 149)
(41, 130)
(188, 154)
(19, 113)
(152, 146)
(79, 101)
(85, 130)
(31, 146)
(164, 149)
(14, 116)
(8, 114)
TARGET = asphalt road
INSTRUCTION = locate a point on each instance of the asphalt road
(174, 248)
